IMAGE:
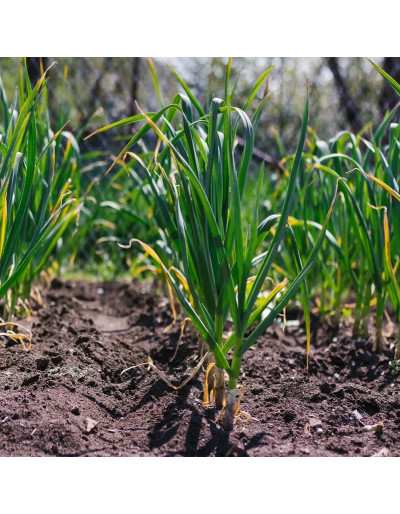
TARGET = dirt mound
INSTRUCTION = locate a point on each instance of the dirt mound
(66, 396)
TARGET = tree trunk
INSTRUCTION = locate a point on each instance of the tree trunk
(136, 65)
(347, 103)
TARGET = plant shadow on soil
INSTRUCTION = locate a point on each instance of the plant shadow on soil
(67, 396)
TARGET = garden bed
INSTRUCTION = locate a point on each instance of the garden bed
(66, 395)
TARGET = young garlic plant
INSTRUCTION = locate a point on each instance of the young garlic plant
(220, 262)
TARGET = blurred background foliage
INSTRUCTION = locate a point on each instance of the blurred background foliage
(86, 93)
(346, 93)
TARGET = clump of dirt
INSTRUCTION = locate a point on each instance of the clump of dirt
(67, 396)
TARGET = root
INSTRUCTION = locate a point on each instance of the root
(151, 366)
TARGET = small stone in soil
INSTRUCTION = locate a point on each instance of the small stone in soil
(75, 411)
(356, 415)
(314, 422)
(90, 424)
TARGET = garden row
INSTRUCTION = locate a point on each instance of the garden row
(233, 240)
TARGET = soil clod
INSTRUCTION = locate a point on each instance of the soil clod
(42, 363)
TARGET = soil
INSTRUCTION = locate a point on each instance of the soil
(66, 396)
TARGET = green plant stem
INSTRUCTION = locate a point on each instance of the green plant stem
(337, 298)
(380, 306)
(236, 363)
(364, 312)
(357, 312)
